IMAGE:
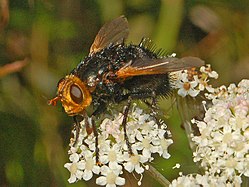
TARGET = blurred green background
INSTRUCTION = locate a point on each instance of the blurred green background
(41, 41)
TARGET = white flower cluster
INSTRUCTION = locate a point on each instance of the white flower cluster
(223, 145)
(145, 136)
(207, 180)
(191, 82)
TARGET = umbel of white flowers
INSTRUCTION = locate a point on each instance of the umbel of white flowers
(222, 147)
(147, 140)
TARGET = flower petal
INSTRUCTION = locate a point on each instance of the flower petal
(120, 181)
(72, 179)
(182, 92)
(87, 175)
(101, 181)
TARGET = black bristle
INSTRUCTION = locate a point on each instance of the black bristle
(149, 45)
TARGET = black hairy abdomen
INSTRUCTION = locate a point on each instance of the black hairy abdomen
(145, 86)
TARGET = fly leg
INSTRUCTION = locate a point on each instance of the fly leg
(95, 132)
(99, 110)
(77, 129)
(124, 123)
(154, 113)
(125, 113)
(91, 127)
(154, 109)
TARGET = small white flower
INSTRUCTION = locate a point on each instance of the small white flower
(145, 145)
(75, 168)
(112, 127)
(207, 70)
(163, 148)
(110, 177)
(134, 162)
(112, 155)
(187, 87)
(203, 84)
(90, 166)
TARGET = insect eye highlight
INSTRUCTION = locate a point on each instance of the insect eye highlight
(76, 94)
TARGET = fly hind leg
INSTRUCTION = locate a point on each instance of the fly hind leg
(154, 109)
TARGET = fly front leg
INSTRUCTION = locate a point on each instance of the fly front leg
(95, 132)
(91, 128)
(77, 129)
(77, 119)
(124, 123)
(99, 110)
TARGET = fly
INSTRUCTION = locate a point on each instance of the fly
(116, 72)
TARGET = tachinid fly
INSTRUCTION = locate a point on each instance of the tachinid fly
(114, 72)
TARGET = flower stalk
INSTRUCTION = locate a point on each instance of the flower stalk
(157, 176)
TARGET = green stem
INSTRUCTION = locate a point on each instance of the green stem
(157, 176)
(169, 23)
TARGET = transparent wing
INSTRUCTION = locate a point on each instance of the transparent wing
(147, 66)
(114, 32)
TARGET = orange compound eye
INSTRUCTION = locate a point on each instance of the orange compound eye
(76, 94)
